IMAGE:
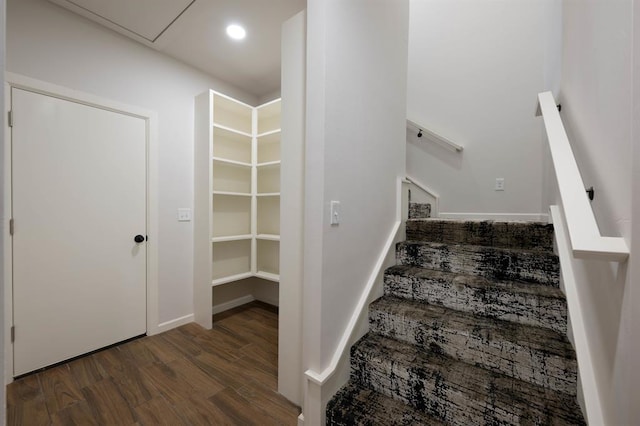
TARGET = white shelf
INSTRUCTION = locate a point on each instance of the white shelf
(268, 276)
(268, 180)
(268, 117)
(238, 164)
(268, 147)
(268, 237)
(232, 194)
(231, 216)
(231, 238)
(270, 132)
(232, 178)
(232, 130)
(232, 145)
(231, 162)
(232, 114)
(231, 278)
(268, 215)
(269, 164)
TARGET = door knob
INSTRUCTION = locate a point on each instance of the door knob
(138, 238)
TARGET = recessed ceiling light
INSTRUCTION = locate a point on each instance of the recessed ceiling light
(236, 32)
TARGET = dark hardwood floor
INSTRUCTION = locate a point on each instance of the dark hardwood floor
(186, 376)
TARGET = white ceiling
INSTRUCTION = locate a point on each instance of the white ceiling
(193, 31)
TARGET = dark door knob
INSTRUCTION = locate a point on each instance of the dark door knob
(138, 238)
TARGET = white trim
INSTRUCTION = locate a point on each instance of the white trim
(221, 307)
(436, 208)
(301, 420)
(268, 276)
(584, 235)
(313, 392)
(8, 255)
(434, 137)
(322, 377)
(174, 323)
(524, 217)
(273, 301)
(151, 119)
(592, 401)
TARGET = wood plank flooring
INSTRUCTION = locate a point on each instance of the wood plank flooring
(186, 376)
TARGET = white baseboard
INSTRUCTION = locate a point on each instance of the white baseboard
(168, 325)
(525, 217)
(233, 304)
(273, 301)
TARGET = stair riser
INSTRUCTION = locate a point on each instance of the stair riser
(516, 235)
(536, 267)
(521, 308)
(478, 347)
(419, 210)
(461, 402)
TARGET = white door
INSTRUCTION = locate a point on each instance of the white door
(79, 199)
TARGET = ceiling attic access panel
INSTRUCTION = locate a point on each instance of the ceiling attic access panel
(142, 20)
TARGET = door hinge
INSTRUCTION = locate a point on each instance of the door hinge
(13, 333)
(11, 226)
(10, 118)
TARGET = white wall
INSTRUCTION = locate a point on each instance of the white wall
(598, 110)
(49, 43)
(354, 151)
(475, 69)
(292, 208)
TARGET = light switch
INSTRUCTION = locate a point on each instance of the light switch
(335, 213)
(184, 215)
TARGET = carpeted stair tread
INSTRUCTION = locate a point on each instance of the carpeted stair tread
(455, 392)
(516, 234)
(489, 262)
(524, 303)
(355, 405)
(537, 355)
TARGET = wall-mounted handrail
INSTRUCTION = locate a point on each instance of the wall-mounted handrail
(586, 241)
(434, 137)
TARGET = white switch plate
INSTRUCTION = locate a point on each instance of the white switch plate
(499, 184)
(184, 215)
(335, 213)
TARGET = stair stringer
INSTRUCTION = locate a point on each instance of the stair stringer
(588, 394)
(320, 387)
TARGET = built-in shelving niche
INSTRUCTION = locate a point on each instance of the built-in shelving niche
(244, 186)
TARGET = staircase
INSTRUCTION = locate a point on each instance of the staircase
(471, 330)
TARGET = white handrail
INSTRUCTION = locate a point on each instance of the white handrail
(434, 137)
(586, 241)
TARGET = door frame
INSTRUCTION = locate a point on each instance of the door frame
(17, 81)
